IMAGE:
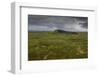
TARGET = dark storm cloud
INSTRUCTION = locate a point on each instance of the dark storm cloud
(51, 23)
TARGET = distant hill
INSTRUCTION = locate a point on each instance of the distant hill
(67, 32)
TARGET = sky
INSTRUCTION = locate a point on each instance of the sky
(52, 23)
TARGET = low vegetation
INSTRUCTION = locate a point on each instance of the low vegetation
(56, 45)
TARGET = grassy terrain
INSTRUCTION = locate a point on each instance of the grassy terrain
(54, 45)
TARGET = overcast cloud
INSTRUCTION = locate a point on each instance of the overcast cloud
(51, 23)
